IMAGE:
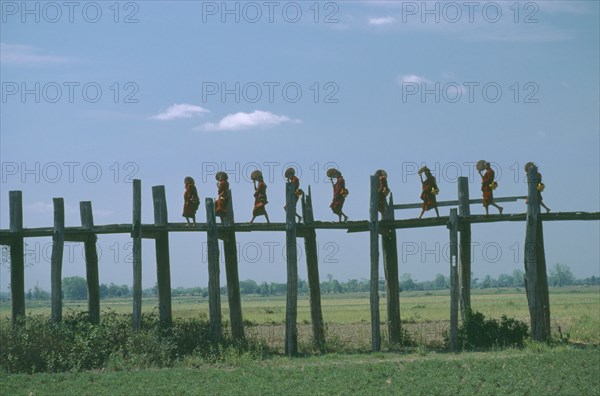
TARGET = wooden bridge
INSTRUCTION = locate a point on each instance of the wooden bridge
(458, 222)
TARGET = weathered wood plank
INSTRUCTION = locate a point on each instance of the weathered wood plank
(17, 257)
(214, 282)
(136, 235)
(374, 281)
(456, 203)
(312, 266)
(454, 284)
(536, 281)
(76, 234)
(390, 266)
(232, 274)
(291, 306)
(163, 265)
(58, 240)
(464, 265)
(91, 262)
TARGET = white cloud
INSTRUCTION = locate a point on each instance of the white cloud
(382, 21)
(238, 121)
(412, 78)
(179, 111)
(11, 54)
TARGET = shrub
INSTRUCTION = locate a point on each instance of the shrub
(476, 332)
(35, 345)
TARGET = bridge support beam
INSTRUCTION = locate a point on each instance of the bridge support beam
(536, 279)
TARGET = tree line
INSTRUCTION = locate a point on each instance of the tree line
(75, 287)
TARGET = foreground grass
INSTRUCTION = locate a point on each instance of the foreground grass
(535, 370)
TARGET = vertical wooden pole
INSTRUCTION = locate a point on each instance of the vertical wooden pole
(454, 291)
(312, 266)
(232, 275)
(390, 265)
(214, 283)
(17, 257)
(464, 266)
(374, 294)
(163, 266)
(536, 280)
(291, 307)
(58, 241)
(91, 262)
(136, 234)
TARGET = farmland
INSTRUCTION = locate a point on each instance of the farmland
(570, 367)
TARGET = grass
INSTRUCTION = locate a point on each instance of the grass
(576, 309)
(536, 369)
(533, 370)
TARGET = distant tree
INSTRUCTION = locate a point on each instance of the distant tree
(74, 288)
(505, 280)
(518, 278)
(561, 275)
(38, 293)
(487, 282)
(406, 282)
(248, 287)
(441, 282)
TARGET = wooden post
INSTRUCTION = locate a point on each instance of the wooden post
(390, 265)
(163, 266)
(312, 266)
(374, 294)
(454, 291)
(17, 257)
(291, 306)
(231, 273)
(136, 234)
(91, 262)
(58, 241)
(536, 280)
(214, 283)
(464, 266)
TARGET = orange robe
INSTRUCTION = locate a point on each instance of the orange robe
(223, 198)
(338, 199)
(260, 199)
(488, 193)
(191, 201)
(429, 199)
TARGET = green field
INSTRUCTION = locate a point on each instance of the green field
(537, 369)
(575, 309)
(533, 371)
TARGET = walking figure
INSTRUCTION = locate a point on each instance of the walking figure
(191, 201)
(290, 176)
(260, 196)
(429, 191)
(488, 185)
(339, 193)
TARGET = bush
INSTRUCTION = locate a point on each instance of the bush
(476, 332)
(35, 345)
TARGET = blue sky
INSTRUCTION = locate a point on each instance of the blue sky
(103, 92)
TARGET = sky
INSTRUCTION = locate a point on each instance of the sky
(96, 94)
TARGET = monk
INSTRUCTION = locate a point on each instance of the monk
(260, 199)
(382, 190)
(290, 176)
(539, 190)
(488, 193)
(429, 186)
(339, 196)
(223, 197)
(191, 201)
